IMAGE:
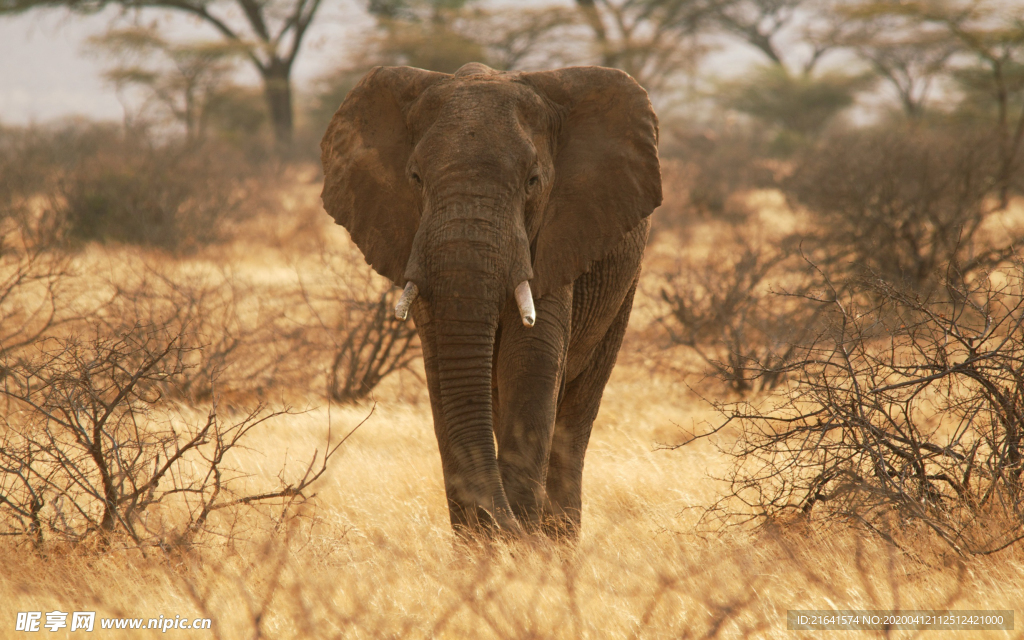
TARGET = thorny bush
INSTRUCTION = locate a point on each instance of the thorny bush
(33, 281)
(373, 344)
(741, 313)
(355, 317)
(169, 196)
(90, 447)
(901, 203)
(104, 183)
(239, 336)
(706, 171)
(905, 415)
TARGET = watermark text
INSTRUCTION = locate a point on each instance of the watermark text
(36, 621)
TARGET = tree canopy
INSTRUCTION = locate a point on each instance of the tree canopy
(270, 32)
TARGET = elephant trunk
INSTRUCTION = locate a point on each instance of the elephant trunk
(465, 349)
(463, 268)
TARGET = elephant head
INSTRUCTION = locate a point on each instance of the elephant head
(478, 190)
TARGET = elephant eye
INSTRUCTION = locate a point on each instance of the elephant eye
(416, 178)
(533, 182)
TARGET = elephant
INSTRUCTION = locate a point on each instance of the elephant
(513, 207)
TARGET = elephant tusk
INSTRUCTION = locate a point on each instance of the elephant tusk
(408, 296)
(524, 300)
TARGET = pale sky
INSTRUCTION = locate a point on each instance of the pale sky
(43, 74)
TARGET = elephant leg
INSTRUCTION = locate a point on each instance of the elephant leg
(528, 375)
(576, 413)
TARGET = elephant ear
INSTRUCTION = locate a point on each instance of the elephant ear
(364, 155)
(607, 175)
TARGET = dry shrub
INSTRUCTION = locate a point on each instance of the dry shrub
(903, 203)
(32, 280)
(353, 321)
(241, 338)
(374, 345)
(328, 323)
(906, 416)
(250, 340)
(129, 186)
(23, 160)
(170, 196)
(92, 446)
(37, 277)
(741, 310)
(713, 168)
(722, 287)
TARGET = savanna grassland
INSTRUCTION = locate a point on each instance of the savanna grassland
(366, 551)
(208, 410)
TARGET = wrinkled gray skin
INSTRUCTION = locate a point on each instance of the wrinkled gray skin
(466, 185)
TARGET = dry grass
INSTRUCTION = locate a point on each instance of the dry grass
(373, 557)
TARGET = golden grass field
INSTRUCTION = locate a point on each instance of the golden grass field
(372, 555)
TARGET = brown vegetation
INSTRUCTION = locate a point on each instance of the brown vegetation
(151, 464)
(818, 403)
(904, 414)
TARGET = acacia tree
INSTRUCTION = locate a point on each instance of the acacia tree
(908, 66)
(990, 35)
(649, 39)
(789, 92)
(183, 78)
(907, 55)
(771, 26)
(442, 35)
(758, 22)
(997, 42)
(270, 33)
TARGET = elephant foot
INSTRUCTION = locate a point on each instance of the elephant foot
(474, 523)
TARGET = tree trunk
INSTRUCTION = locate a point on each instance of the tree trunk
(277, 88)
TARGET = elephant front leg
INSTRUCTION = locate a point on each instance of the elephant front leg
(528, 370)
(576, 414)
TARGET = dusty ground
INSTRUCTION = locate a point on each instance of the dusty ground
(372, 555)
